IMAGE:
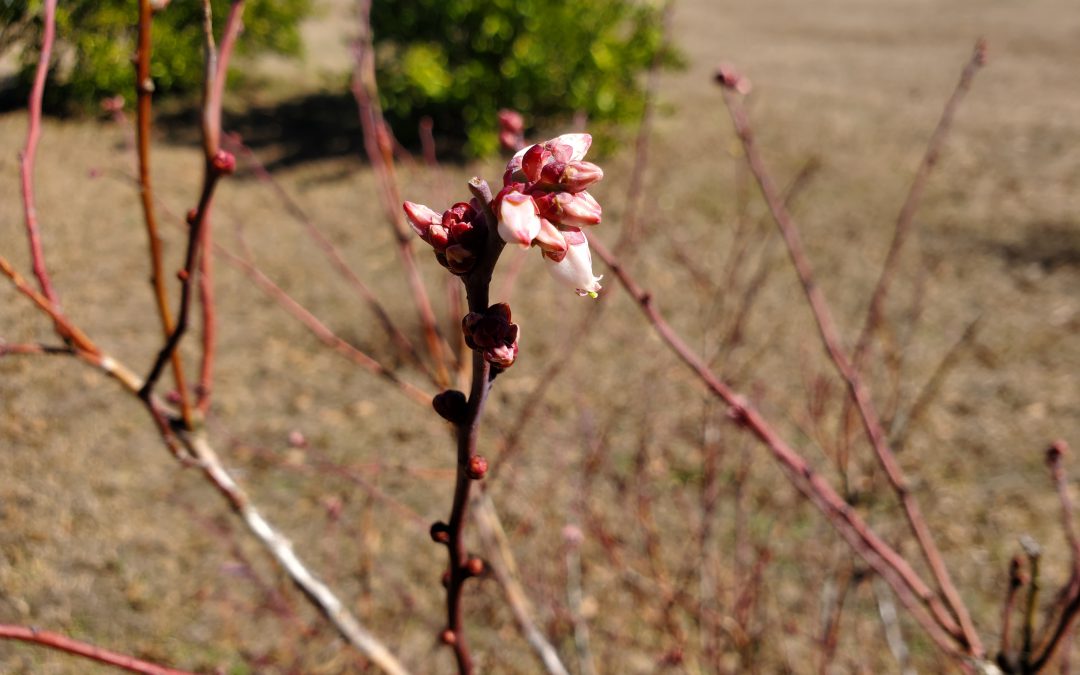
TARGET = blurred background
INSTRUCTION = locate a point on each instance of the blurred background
(695, 553)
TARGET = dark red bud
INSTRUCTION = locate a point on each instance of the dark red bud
(477, 467)
(182, 275)
(451, 405)
(191, 216)
(474, 567)
(440, 532)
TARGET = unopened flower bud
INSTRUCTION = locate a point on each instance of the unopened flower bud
(511, 129)
(191, 217)
(570, 147)
(578, 209)
(502, 356)
(512, 121)
(492, 333)
(518, 222)
(533, 161)
(550, 238)
(440, 532)
(459, 259)
(579, 175)
(474, 567)
(726, 76)
(574, 269)
(224, 162)
(477, 467)
(447, 637)
(421, 218)
(451, 405)
(457, 234)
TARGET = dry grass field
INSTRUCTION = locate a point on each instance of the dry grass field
(103, 537)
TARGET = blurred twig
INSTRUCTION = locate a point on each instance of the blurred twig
(917, 597)
(88, 651)
(333, 255)
(379, 150)
(875, 433)
(904, 223)
(29, 154)
(491, 532)
(144, 89)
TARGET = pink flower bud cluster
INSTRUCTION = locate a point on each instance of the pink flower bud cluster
(491, 333)
(511, 129)
(545, 202)
(457, 234)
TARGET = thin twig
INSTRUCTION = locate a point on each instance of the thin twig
(491, 531)
(215, 165)
(635, 190)
(1034, 554)
(26, 349)
(903, 423)
(904, 224)
(477, 292)
(333, 255)
(894, 635)
(1016, 582)
(920, 601)
(29, 153)
(144, 88)
(379, 152)
(87, 651)
(914, 197)
(319, 329)
(871, 422)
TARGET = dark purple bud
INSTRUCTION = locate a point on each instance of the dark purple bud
(451, 405)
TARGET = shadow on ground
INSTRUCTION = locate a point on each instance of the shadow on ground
(311, 127)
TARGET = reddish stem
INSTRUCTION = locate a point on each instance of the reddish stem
(920, 601)
(914, 198)
(209, 321)
(859, 394)
(477, 289)
(319, 329)
(29, 153)
(405, 346)
(217, 64)
(85, 650)
(378, 146)
(144, 88)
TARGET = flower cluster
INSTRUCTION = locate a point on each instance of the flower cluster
(491, 333)
(457, 235)
(544, 202)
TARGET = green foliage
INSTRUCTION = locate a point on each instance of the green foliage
(96, 43)
(460, 61)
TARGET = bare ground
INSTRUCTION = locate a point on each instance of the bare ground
(104, 538)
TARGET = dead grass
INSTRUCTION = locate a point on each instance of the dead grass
(102, 537)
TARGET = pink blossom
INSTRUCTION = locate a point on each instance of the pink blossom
(574, 268)
(519, 222)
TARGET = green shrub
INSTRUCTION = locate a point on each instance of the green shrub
(96, 43)
(460, 61)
